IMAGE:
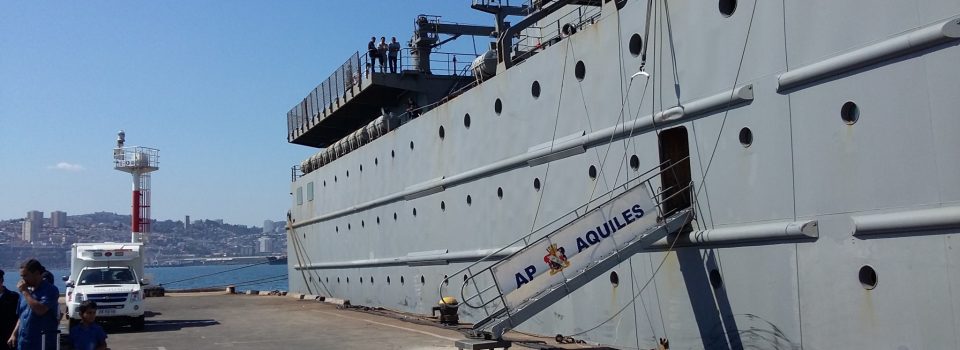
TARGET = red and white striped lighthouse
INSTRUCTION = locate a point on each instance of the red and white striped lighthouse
(139, 162)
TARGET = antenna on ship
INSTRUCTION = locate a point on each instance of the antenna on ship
(139, 162)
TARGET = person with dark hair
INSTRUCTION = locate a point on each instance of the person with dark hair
(393, 49)
(382, 53)
(9, 300)
(38, 309)
(88, 335)
(373, 53)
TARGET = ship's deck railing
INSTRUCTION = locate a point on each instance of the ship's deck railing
(331, 92)
(538, 37)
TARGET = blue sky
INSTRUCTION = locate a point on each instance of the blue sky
(206, 82)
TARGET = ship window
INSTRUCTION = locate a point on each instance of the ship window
(337, 228)
(376, 161)
(411, 144)
(392, 154)
(469, 200)
(535, 89)
(635, 162)
(371, 279)
(464, 277)
(348, 280)
(324, 183)
(310, 191)
(636, 44)
(402, 280)
(443, 206)
(423, 280)
(363, 223)
(592, 172)
(299, 195)
(850, 113)
(580, 70)
(348, 173)
(446, 280)
(498, 106)
(327, 280)
(614, 279)
(348, 226)
(414, 211)
(868, 277)
(388, 279)
(536, 184)
(338, 279)
(361, 279)
(361, 168)
(466, 120)
(746, 137)
(727, 7)
(500, 192)
(334, 178)
(394, 216)
(715, 279)
(441, 132)
(378, 220)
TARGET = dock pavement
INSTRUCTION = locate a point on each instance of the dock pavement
(216, 320)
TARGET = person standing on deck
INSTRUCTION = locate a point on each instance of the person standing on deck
(38, 309)
(372, 53)
(382, 50)
(9, 300)
(394, 50)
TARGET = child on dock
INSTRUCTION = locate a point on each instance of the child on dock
(88, 335)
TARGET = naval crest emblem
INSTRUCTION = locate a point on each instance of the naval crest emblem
(556, 259)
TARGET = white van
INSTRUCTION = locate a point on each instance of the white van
(111, 274)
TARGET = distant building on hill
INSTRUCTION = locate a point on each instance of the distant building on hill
(32, 225)
(58, 219)
(265, 245)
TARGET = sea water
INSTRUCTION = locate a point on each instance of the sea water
(245, 277)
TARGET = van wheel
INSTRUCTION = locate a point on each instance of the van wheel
(138, 323)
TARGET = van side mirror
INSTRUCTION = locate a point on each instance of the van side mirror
(144, 282)
(69, 284)
(65, 278)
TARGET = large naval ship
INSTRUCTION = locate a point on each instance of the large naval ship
(712, 174)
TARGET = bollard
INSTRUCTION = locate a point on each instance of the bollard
(231, 289)
(448, 311)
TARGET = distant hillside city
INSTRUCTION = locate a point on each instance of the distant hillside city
(169, 243)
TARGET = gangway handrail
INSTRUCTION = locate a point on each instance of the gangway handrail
(471, 276)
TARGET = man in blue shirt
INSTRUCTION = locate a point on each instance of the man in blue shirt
(38, 310)
(9, 301)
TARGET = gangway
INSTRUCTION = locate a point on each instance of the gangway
(579, 247)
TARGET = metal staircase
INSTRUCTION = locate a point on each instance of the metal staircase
(507, 304)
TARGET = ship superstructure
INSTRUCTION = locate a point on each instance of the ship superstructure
(801, 158)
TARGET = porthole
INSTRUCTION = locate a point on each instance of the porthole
(727, 7)
(334, 178)
(371, 279)
(443, 206)
(411, 144)
(850, 113)
(715, 279)
(348, 173)
(535, 89)
(363, 224)
(580, 70)
(401, 280)
(466, 120)
(304, 236)
(378, 220)
(324, 183)
(469, 200)
(337, 228)
(361, 168)
(348, 280)
(498, 106)
(441, 132)
(635, 162)
(536, 184)
(338, 279)
(311, 278)
(614, 279)
(327, 279)
(746, 137)
(348, 227)
(636, 44)
(361, 280)
(394, 216)
(388, 279)
(500, 192)
(392, 154)
(868, 277)
(376, 161)
(414, 211)
(592, 172)
(423, 280)
(446, 280)
(465, 278)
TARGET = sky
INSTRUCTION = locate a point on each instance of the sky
(208, 83)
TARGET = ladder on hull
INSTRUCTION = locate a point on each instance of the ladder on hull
(605, 235)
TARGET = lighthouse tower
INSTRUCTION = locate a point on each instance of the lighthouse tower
(139, 162)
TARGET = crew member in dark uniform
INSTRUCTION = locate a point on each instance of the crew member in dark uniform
(8, 313)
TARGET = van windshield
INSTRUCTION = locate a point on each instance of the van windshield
(107, 275)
